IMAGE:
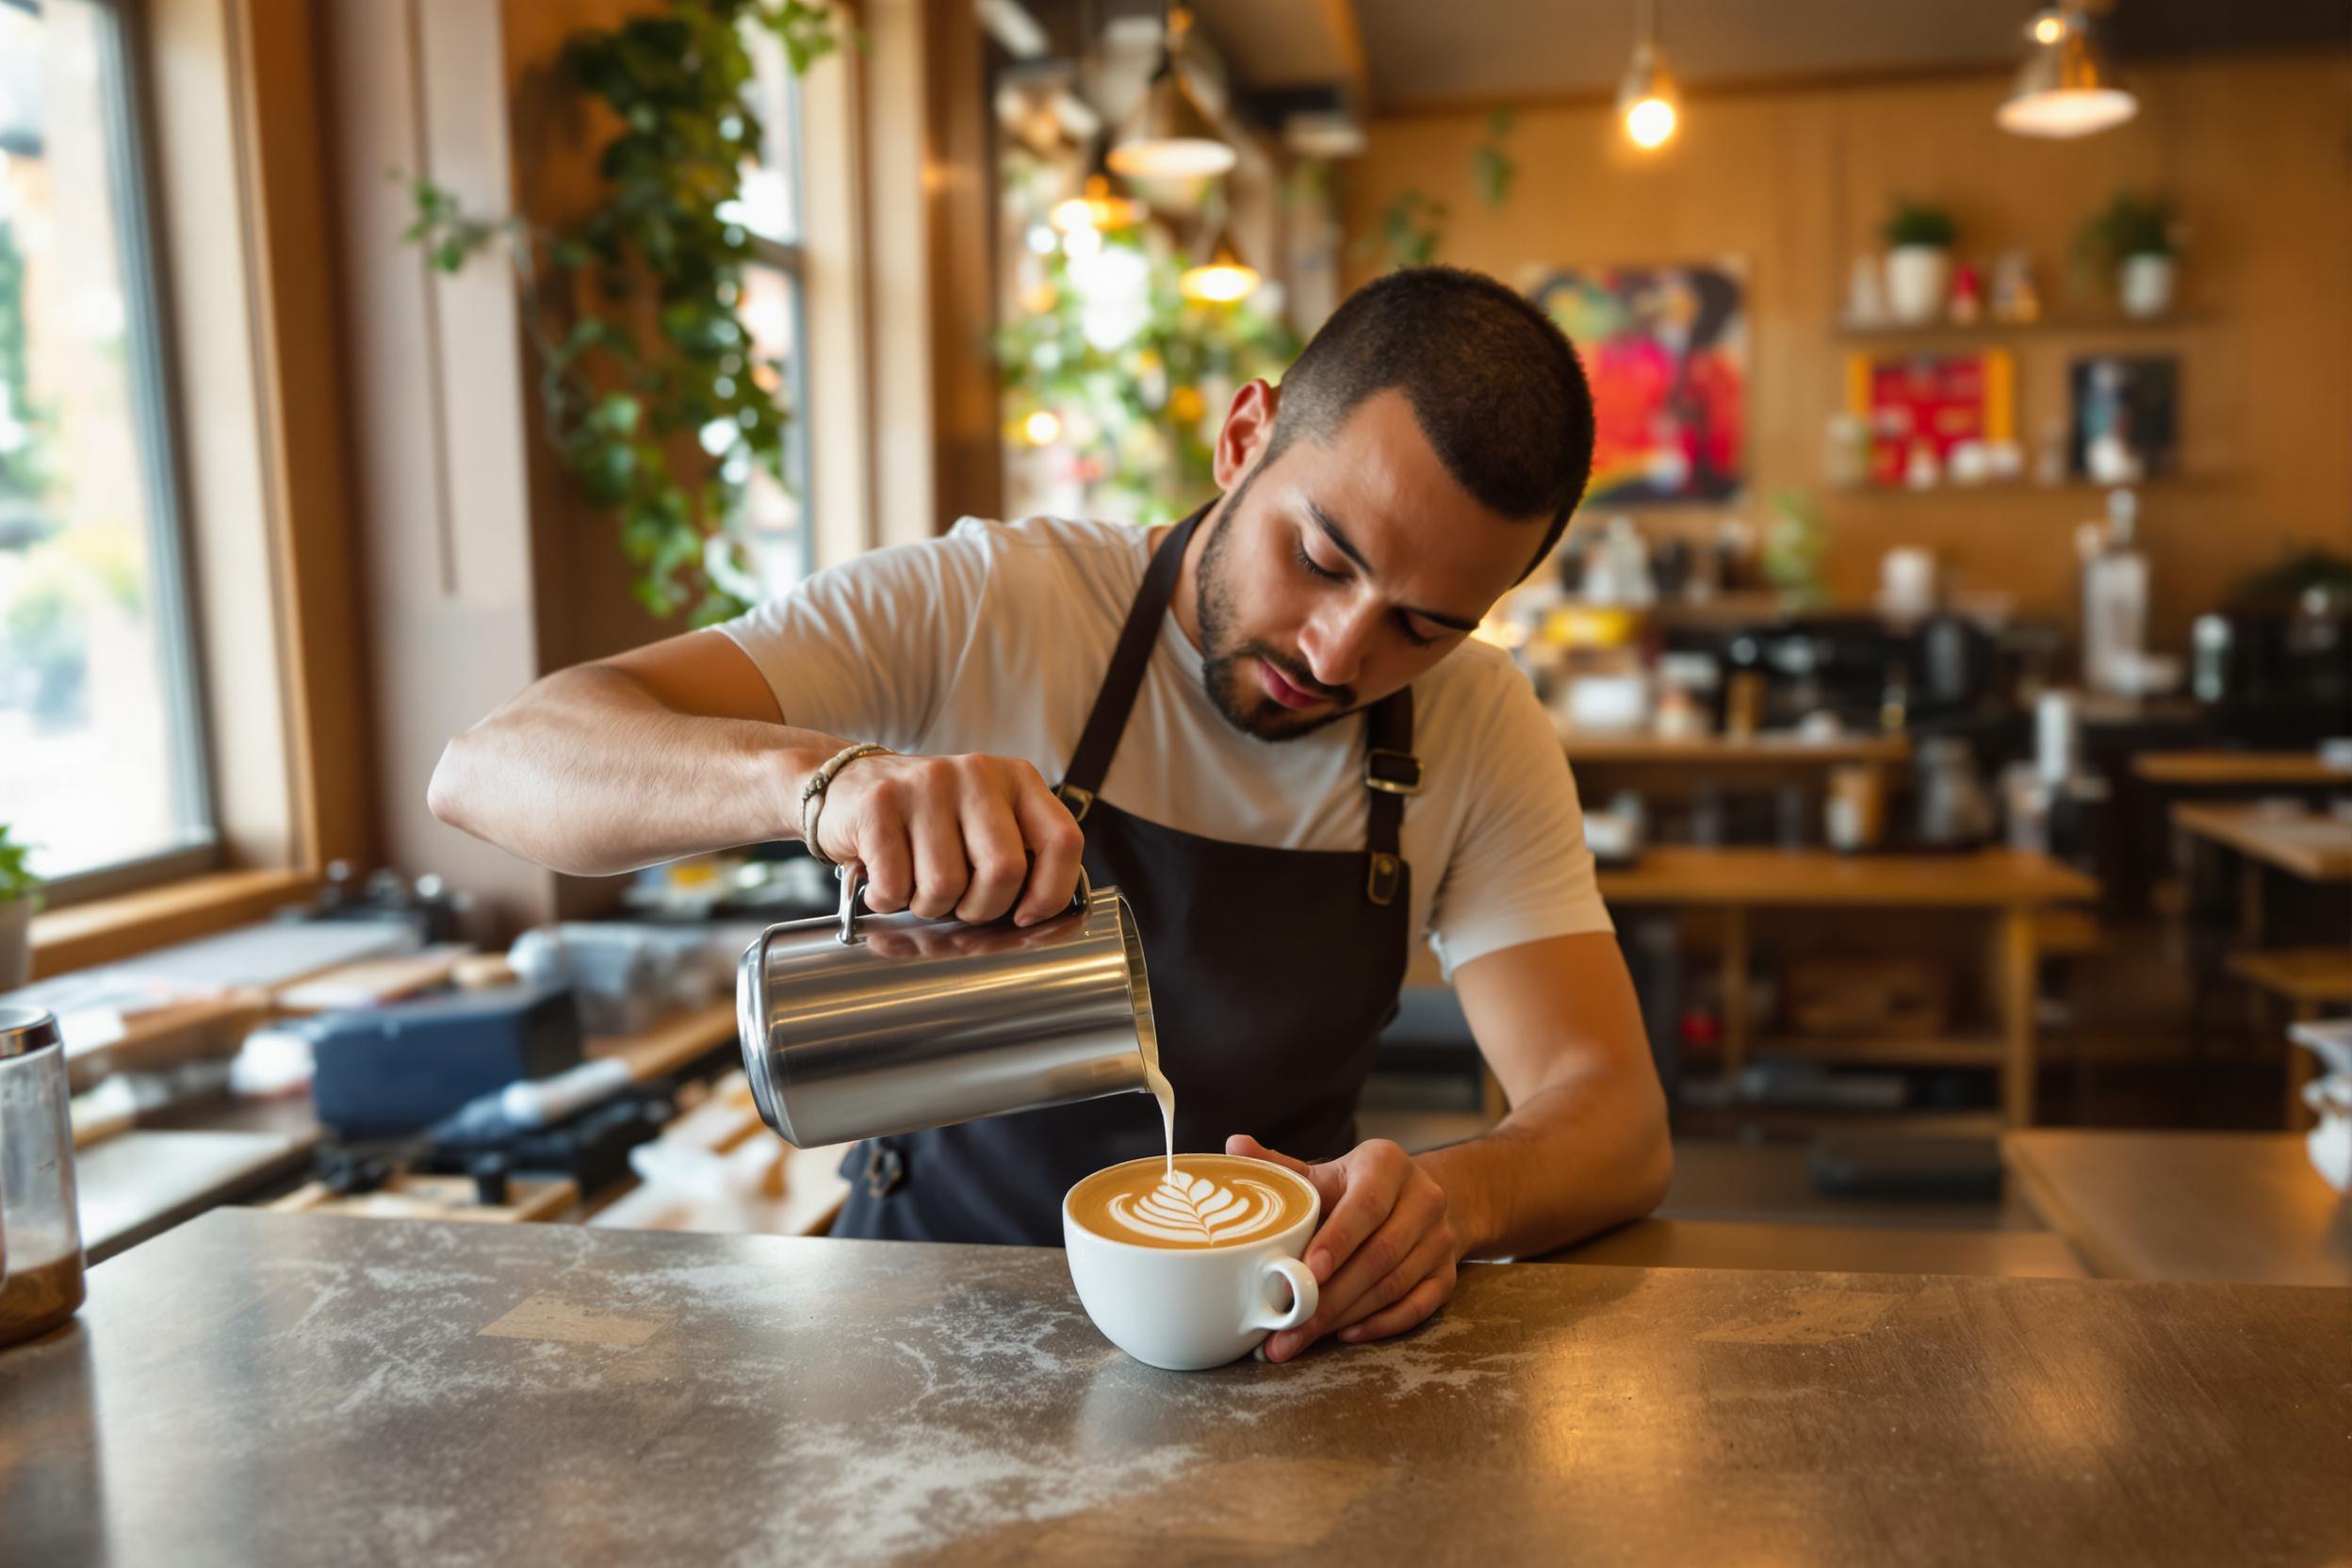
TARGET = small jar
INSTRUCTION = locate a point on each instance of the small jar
(41, 1231)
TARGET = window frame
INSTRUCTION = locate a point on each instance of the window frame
(123, 89)
(791, 258)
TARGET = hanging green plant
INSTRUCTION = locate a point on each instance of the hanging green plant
(653, 392)
(1413, 225)
(1492, 167)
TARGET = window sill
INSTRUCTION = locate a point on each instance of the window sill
(106, 929)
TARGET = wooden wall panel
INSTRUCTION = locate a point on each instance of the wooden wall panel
(2256, 151)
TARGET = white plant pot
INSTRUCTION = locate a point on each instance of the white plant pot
(16, 942)
(2146, 285)
(1918, 283)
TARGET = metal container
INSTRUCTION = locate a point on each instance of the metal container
(40, 1237)
(862, 1025)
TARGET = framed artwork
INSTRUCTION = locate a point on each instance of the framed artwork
(1917, 407)
(2125, 423)
(1666, 350)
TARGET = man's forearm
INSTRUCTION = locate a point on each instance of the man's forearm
(588, 772)
(1571, 1161)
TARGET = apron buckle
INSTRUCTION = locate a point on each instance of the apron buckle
(1392, 771)
(1077, 798)
(1380, 884)
(885, 1168)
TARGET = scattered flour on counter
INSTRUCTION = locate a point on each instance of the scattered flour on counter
(866, 1493)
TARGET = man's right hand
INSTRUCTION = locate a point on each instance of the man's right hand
(953, 834)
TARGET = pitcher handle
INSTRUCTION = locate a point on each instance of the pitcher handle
(853, 880)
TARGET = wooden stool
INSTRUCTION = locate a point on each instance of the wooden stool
(2306, 979)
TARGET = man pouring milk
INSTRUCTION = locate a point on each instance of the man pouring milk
(1266, 724)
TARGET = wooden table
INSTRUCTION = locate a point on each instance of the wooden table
(2235, 1207)
(260, 1388)
(2312, 845)
(2010, 885)
(2309, 845)
(2286, 770)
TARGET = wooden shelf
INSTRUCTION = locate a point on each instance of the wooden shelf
(1823, 878)
(1770, 748)
(2281, 769)
(1738, 607)
(2046, 326)
(1787, 1121)
(2009, 488)
(1931, 1051)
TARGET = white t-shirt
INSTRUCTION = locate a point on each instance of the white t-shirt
(995, 638)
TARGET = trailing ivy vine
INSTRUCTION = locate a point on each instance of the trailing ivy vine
(1413, 225)
(653, 393)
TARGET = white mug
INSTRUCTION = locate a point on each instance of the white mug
(1187, 1308)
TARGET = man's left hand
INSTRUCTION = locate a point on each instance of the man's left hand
(1385, 1255)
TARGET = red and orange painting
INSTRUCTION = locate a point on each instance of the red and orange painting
(1666, 350)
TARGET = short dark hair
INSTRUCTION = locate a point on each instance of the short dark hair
(1492, 383)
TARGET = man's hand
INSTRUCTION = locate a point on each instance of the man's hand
(1385, 1255)
(952, 835)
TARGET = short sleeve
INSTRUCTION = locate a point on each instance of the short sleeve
(868, 650)
(1520, 872)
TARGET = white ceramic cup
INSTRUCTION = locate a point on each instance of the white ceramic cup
(1186, 1308)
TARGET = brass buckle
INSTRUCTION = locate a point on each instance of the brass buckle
(1392, 786)
(1380, 883)
(1077, 798)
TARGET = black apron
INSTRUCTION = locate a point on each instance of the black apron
(1272, 973)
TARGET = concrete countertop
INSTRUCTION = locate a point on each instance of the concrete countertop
(256, 1388)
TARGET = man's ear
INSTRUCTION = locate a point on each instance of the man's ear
(1248, 427)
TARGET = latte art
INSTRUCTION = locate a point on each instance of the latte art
(1193, 1208)
(1205, 1200)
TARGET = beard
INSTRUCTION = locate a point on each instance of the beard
(1226, 658)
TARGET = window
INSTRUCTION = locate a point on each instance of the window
(101, 761)
(774, 528)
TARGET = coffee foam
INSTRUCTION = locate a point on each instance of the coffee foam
(1204, 1201)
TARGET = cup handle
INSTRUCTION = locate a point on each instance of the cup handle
(1303, 1297)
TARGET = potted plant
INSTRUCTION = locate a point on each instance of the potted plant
(1919, 260)
(20, 892)
(2133, 241)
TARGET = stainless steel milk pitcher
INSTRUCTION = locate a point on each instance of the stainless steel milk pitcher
(862, 1025)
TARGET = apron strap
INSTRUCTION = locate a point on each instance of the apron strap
(1115, 699)
(1391, 772)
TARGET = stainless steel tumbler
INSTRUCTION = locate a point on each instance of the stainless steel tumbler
(862, 1025)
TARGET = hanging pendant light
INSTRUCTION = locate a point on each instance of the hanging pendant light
(1647, 104)
(1224, 279)
(1097, 204)
(1169, 135)
(2067, 87)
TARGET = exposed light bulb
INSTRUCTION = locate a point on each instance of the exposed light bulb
(1219, 283)
(1650, 122)
(1645, 97)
